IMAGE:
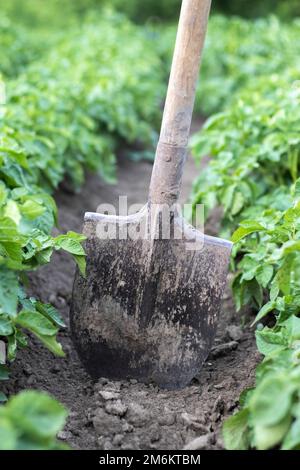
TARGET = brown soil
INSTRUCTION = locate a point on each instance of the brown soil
(128, 415)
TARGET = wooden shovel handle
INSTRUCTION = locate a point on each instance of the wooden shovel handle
(172, 146)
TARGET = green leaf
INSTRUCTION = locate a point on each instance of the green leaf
(36, 414)
(293, 326)
(236, 431)
(8, 292)
(12, 211)
(36, 322)
(296, 189)
(4, 372)
(283, 276)
(271, 401)
(11, 347)
(3, 193)
(6, 327)
(292, 438)
(267, 437)
(8, 434)
(70, 244)
(291, 247)
(269, 342)
(50, 312)
(237, 203)
(8, 230)
(51, 344)
(227, 197)
(32, 209)
(245, 230)
(268, 307)
(81, 263)
(3, 399)
(238, 292)
(264, 275)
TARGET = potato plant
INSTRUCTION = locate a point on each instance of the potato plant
(253, 175)
(234, 58)
(269, 271)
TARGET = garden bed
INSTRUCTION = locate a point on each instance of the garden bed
(128, 415)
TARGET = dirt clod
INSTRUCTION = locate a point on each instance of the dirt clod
(223, 349)
(106, 395)
(200, 443)
(137, 415)
(117, 408)
(234, 332)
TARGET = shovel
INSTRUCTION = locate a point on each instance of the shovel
(148, 306)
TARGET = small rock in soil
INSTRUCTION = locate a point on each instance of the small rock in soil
(201, 443)
(219, 404)
(231, 405)
(219, 386)
(117, 408)
(193, 422)
(118, 439)
(154, 433)
(27, 370)
(133, 444)
(62, 301)
(106, 425)
(106, 395)
(64, 435)
(223, 349)
(167, 418)
(31, 380)
(126, 427)
(137, 415)
(113, 386)
(234, 332)
(101, 381)
(108, 445)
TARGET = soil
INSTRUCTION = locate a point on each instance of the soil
(128, 415)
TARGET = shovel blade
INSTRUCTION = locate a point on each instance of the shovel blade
(147, 309)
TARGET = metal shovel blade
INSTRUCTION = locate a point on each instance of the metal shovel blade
(148, 308)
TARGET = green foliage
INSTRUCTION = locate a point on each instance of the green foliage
(234, 58)
(166, 10)
(27, 214)
(31, 421)
(255, 146)
(89, 102)
(270, 264)
(55, 13)
(253, 175)
(286, 9)
(17, 48)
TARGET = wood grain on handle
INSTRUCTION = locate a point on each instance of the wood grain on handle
(177, 117)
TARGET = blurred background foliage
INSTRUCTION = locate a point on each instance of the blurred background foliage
(39, 12)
